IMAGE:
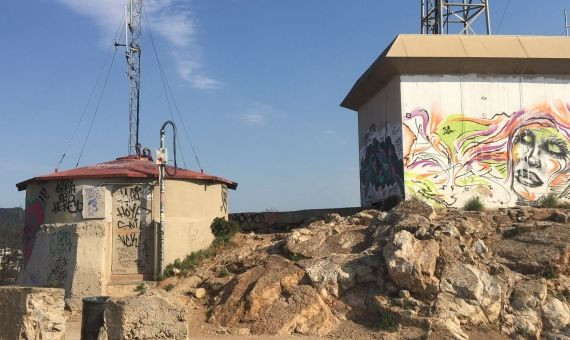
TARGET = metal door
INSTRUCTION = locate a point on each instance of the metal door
(133, 241)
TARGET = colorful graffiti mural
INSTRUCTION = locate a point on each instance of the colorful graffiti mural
(33, 219)
(381, 166)
(508, 159)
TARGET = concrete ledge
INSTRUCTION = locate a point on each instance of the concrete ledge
(281, 221)
(32, 313)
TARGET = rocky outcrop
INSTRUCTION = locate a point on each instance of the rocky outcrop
(411, 263)
(300, 310)
(271, 299)
(446, 272)
(32, 313)
(468, 294)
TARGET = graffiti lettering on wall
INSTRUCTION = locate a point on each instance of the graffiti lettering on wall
(94, 200)
(59, 247)
(33, 219)
(66, 197)
(129, 240)
(58, 271)
(514, 159)
(60, 243)
(132, 219)
(381, 167)
(248, 221)
(224, 206)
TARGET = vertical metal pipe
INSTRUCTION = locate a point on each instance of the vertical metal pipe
(421, 16)
(465, 16)
(488, 15)
(566, 22)
(162, 196)
(440, 16)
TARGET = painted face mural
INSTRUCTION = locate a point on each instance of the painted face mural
(539, 156)
(506, 159)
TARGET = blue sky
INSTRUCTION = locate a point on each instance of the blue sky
(258, 83)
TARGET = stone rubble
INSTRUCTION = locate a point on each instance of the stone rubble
(445, 271)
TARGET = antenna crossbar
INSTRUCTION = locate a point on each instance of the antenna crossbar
(439, 16)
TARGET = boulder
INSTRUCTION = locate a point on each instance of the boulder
(32, 313)
(528, 294)
(411, 263)
(317, 242)
(543, 250)
(410, 207)
(364, 218)
(479, 247)
(471, 295)
(555, 314)
(255, 290)
(270, 299)
(150, 316)
(448, 328)
(339, 272)
(525, 302)
(411, 223)
(301, 310)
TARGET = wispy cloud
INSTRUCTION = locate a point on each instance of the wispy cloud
(259, 114)
(171, 20)
(189, 70)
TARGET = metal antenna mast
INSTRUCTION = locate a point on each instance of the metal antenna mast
(438, 15)
(566, 26)
(133, 15)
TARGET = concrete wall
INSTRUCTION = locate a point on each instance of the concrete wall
(502, 138)
(190, 209)
(380, 144)
(61, 248)
(283, 221)
(84, 234)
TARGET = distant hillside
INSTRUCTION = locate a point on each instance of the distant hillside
(11, 227)
(11, 220)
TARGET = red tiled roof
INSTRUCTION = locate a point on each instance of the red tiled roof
(129, 167)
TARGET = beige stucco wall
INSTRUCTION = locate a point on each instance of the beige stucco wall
(189, 210)
(64, 249)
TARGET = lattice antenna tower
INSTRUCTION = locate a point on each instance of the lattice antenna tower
(459, 16)
(133, 15)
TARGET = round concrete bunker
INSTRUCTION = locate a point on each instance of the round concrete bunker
(95, 229)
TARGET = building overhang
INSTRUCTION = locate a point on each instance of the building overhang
(461, 54)
(127, 167)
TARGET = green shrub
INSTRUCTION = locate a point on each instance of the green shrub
(474, 204)
(189, 263)
(223, 272)
(386, 322)
(550, 201)
(169, 287)
(140, 289)
(295, 257)
(223, 231)
(549, 273)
